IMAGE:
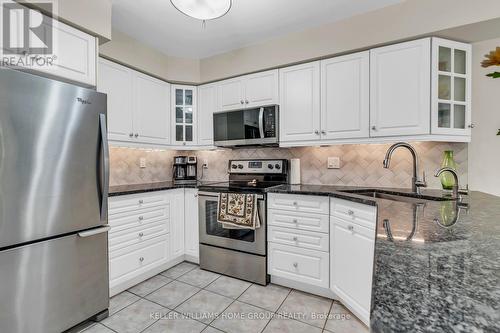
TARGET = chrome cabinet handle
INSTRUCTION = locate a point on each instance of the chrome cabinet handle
(350, 212)
(471, 126)
(374, 128)
(141, 201)
(242, 102)
(351, 228)
(295, 238)
(131, 134)
(295, 203)
(294, 220)
(141, 259)
(136, 135)
(316, 132)
(295, 264)
(141, 234)
(141, 218)
(246, 101)
(323, 132)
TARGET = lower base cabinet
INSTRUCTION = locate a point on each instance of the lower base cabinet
(147, 235)
(352, 243)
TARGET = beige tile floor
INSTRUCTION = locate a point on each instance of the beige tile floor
(186, 299)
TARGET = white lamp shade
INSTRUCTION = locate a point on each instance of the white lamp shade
(203, 9)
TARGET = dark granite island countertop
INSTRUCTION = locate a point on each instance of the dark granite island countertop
(116, 190)
(437, 263)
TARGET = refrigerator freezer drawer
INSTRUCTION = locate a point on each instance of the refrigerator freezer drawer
(53, 285)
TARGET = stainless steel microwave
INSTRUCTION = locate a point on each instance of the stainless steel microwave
(247, 127)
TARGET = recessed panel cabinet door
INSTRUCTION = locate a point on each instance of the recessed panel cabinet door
(152, 110)
(191, 223)
(345, 96)
(300, 103)
(230, 94)
(116, 81)
(207, 105)
(400, 89)
(261, 89)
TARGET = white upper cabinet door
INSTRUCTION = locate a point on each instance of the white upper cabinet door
(400, 89)
(451, 87)
(230, 94)
(345, 96)
(152, 110)
(76, 54)
(261, 89)
(207, 105)
(184, 106)
(300, 102)
(116, 81)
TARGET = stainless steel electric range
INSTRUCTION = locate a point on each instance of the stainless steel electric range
(241, 253)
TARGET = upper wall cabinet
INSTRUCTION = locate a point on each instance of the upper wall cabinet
(138, 105)
(345, 96)
(451, 87)
(184, 123)
(400, 89)
(252, 90)
(74, 52)
(207, 105)
(300, 102)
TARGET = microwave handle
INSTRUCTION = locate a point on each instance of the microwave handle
(261, 123)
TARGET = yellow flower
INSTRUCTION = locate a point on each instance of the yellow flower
(492, 59)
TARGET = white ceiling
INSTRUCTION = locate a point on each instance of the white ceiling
(158, 24)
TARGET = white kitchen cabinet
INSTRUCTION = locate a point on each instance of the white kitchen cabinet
(300, 102)
(184, 115)
(400, 89)
(345, 96)
(117, 82)
(207, 105)
(74, 53)
(177, 222)
(451, 87)
(151, 110)
(138, 105)
(191, 228)
(351, 258)
(246, 91)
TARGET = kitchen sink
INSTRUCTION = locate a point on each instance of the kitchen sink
(398, 196)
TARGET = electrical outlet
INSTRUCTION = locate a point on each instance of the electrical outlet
(205, 164)
(142, 162)
(333, 163)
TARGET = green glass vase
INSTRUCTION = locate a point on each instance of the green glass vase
(447, 179)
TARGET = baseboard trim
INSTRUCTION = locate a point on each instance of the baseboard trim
(320, 291)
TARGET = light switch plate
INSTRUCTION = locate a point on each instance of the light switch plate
(142, 162)
(333, 163)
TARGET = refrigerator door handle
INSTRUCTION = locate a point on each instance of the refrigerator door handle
(93, 232)
(105, 171)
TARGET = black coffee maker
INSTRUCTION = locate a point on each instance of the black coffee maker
(185, 170)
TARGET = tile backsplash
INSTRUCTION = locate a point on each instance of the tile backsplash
(361, 165)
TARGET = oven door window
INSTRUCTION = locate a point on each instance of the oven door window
(214, 228)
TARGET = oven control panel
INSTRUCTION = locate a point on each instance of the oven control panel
(257, 166)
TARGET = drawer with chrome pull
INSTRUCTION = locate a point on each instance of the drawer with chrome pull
(130, 202)
(299, 203)
(300, 238)
(296, 220)
(361, 214)
(137, 235)
(143, 217)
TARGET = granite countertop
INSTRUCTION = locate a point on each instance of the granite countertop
(116, 190)
(437, 263)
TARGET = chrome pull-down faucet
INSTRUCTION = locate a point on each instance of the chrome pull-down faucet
(416, 183)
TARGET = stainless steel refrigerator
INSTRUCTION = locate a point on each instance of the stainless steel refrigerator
(54, 170)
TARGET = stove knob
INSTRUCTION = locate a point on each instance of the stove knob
(240, 166)
(233, 166)
(277, 166)
(270, 166)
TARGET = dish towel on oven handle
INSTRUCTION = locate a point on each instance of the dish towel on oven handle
(238, 211)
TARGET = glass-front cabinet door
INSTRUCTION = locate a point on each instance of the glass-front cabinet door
(184, 108)
(451, 87)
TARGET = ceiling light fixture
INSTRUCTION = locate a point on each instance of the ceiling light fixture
(203, 10)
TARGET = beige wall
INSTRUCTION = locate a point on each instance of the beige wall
(484, 150)
(403, 21)
(92, 16)
(126, 50)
